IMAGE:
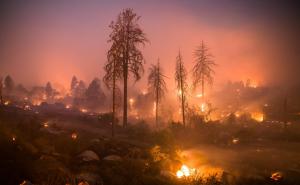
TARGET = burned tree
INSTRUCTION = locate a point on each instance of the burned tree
(181, 85)
(9, 84)
(126, 37)
(49, 90)
(113, 74)
(74, 85)
(157, 86)
(203, 69)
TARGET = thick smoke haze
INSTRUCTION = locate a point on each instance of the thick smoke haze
(53, 40)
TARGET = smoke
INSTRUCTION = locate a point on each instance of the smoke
(54, 40)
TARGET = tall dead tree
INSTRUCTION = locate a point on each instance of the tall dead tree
(113, 74)
(181, 84)
(203, 69)
(157, 86)
(127, 36)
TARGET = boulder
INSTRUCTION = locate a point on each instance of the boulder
(112, 158)
(89, 155)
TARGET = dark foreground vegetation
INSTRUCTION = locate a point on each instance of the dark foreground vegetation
(38, 151)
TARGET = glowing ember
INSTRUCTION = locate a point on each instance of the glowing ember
(253, 85)
(235, 141)
(276, 176)
(6, 103)
(36, 102)
(154, 108)
(203, 107)
(68, 106)
(144, 92)
(83, 110)
(14, 138)
(74, 136)
(46, 125)
(258, 116)
(131, 101)
(199, 95)
(27, 107)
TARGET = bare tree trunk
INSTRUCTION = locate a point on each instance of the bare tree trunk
(157, 98)
(114, 105)
(182, 97)
(156, 109)
(203, 89)
(125, 98)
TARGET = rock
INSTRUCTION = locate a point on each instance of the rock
(89, 155)
(112, 158)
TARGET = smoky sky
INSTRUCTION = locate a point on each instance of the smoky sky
(53, 40)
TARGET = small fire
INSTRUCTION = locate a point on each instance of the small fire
(74, 136)
(144, 92)
(276, 176)
(83, 110)
(131, 101)
(258, 116)
(253, 85)
(46, 125)
(36, 102)
(13, 138)
(199, 95)
(154, 108)
(6, 103)
(203, 107)
(179, 174)
(183, 172)
(68, 106)
(235, 140)
(27, 107)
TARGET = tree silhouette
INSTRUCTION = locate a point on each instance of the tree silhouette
(203, 69)
(125, 37)
(74, 85)
(9, 84)
(113, 73)
(49, 90)
(94, 94)
(157, 86)
(79, 94)
(181, 84)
